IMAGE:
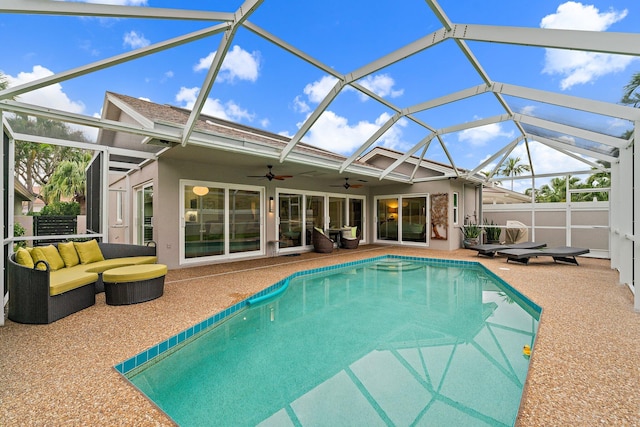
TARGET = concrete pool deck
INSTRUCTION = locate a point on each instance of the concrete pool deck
(585, 368)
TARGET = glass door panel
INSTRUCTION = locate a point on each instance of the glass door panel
(387, 213)
(244, 221)
(290, 212)
(314, 216)
(337, 214)
(356, 210)
(414, 219)
(204, 231)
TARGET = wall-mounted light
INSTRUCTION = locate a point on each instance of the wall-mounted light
(200, 191)
(272, 205)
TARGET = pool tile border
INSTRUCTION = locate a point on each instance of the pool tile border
(181, 338)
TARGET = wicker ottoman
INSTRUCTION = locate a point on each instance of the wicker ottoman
(134, 283)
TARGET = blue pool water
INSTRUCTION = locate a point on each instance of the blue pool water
(392, 341)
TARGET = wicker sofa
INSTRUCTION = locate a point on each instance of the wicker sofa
(41, 296)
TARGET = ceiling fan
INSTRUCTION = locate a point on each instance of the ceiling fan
(270, 175)
(347, 186)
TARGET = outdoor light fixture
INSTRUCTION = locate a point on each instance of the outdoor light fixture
(200, 191)
(272, 205)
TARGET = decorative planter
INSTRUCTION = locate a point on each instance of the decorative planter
(471, 241)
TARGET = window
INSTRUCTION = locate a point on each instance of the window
(144, 214)
(455, 208)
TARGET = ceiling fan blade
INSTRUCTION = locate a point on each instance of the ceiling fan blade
(356, 186)
(281, 177)
(256, 176)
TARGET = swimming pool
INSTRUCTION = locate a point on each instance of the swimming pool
(387, 341)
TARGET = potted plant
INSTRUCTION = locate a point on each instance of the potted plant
(492, 231)
(471, 234)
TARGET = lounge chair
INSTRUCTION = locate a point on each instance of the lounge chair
(321, 242)
(490, 250)
(348, 240)
(561, 254)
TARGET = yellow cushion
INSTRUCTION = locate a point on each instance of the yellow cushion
(107, 264)
(354, 231)
(68, 254)
(67, 279)
(47, 253)
(134, 273)
(23, 257)
(319, 230)
(88, 251)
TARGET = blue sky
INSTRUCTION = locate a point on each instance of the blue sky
(264, 86)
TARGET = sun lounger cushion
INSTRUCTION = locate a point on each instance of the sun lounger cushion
(491, 249)
(561, 254)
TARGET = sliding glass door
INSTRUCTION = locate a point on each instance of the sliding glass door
(299, 212)
(402, 219)
(221, 220)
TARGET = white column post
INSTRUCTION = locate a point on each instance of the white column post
(635, 254)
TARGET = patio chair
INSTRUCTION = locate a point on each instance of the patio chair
(348, 240)
(561, 254)
(321, 242)
(489, 250)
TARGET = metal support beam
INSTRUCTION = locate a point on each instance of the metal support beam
(241, 15)
(373, 138)
(110, 62)
(586, 41)
(66, 8)
(313, 117)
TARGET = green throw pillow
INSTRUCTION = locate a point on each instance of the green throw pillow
(68, 254)
(319, 230)
(354, 231)
(88, 251)
(23, 257)
(47, 253)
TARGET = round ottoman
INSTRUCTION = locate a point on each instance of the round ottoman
(134, 283)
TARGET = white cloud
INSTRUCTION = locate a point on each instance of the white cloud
(529, 110)
(213, 107)
(51, 96)
(134, 40)
(336, 134)
(581, 67)
(319, 89)
(480, 135)
(238, 64)
(300, 105)
(381, 85)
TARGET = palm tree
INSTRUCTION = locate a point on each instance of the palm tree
(630, 96)
(68, 180)
(556, 190)
(514, 168)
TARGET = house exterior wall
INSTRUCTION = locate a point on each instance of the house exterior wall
(167, 173)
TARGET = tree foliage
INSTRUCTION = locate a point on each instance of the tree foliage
(61, 208)
(513, 167)
(630, 95)
(68, 180)
(35, 163)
